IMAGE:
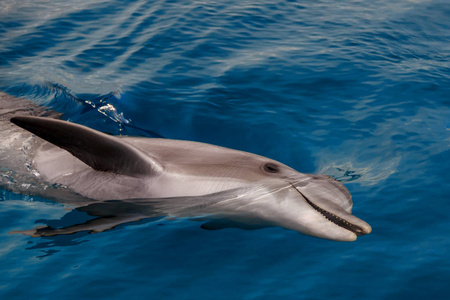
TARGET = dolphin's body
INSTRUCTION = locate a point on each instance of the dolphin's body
(126, 179)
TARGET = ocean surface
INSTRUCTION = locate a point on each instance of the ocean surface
(359, 90)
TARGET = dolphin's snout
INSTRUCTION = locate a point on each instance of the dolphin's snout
(364, 228)
(336, 212)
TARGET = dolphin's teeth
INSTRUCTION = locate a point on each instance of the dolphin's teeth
(335, 219)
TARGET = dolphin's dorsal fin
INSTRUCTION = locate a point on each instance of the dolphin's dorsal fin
(100, 151)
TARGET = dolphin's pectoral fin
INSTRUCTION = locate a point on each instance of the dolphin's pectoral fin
(214, 225)
(92, 226)
(222, 224)
(100, 151)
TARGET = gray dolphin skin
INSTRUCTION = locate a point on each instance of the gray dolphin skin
(120, 179)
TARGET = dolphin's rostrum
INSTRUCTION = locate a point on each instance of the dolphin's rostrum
(125, 179)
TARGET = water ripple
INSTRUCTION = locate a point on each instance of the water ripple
(357, 90)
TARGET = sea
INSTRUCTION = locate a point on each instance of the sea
(358, 90)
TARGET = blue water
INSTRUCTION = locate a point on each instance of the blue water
(358, 90)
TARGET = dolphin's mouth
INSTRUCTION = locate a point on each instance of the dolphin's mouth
(333, 218)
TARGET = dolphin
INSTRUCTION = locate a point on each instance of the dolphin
(122, 179)
(126, 179)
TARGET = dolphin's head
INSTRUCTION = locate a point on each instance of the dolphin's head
(315, 205)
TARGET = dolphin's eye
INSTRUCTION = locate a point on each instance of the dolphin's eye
(271, 168)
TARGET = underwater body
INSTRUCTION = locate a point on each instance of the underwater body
(357, 91)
